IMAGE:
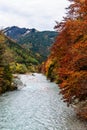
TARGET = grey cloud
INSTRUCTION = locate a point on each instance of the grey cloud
(34, 13)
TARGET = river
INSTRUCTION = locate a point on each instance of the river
(37, 106)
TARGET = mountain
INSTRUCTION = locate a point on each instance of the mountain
(15, 32)
(39, 42)
(16, 54)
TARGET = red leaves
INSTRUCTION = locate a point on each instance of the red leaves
(68, 59)
(67, 63)
(70, 50)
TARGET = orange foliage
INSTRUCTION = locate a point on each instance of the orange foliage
(70, 53)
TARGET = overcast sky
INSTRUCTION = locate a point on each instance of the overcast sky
(39, 14)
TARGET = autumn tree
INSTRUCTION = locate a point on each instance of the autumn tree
(1, 66)
(5, 73)
(70, 54)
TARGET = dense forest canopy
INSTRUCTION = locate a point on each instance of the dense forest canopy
(67, 63)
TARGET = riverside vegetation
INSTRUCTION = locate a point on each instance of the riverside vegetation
(13, 59)
(67, 63)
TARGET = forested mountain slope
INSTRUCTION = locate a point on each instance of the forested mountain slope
(16, 54)
(39, 42)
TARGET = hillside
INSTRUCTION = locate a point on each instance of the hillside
(38, 42)
(16, 54)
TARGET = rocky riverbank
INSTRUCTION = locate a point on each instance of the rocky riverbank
(16, 83)
(81, 109)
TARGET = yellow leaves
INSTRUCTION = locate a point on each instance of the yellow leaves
(1, 70)
(48, 63)
(82, 1)
(2, 38)
(18, 68)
